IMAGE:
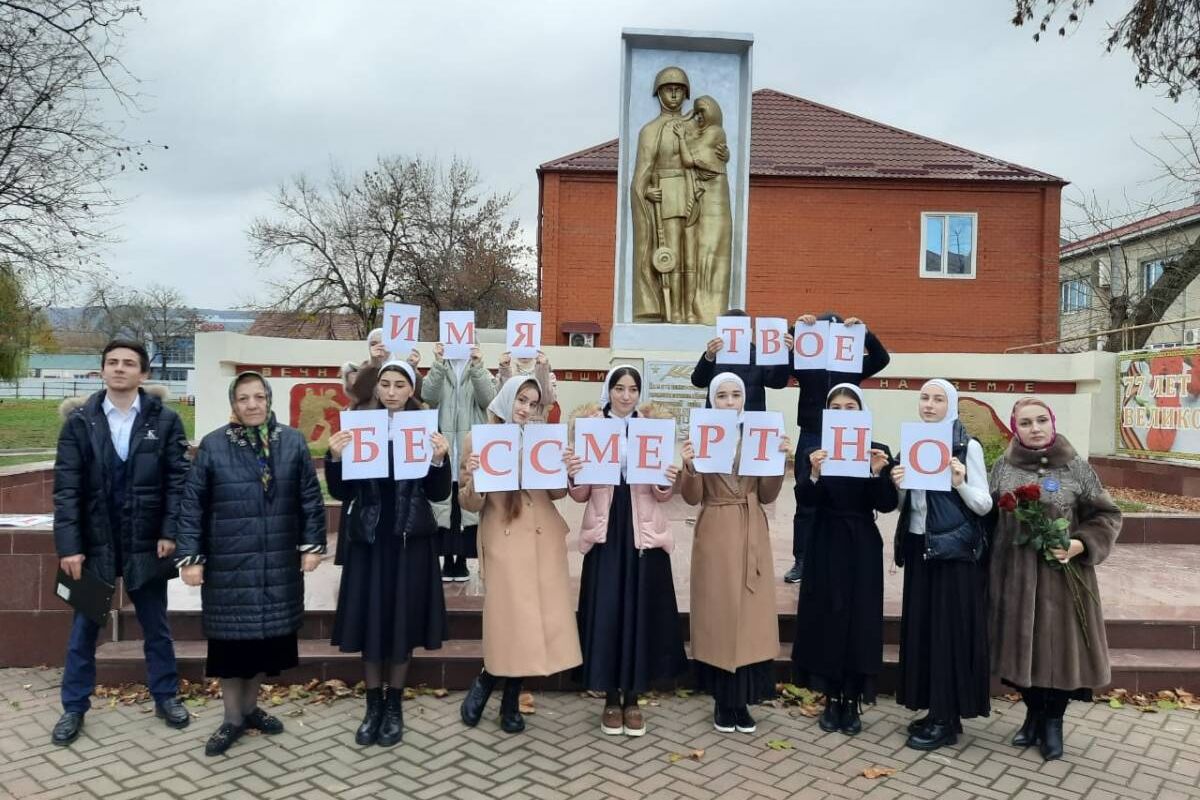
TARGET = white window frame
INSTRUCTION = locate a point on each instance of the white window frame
(1086, 291)
(925, 215)
(1161, 262)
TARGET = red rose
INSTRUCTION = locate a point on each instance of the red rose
(1030, 492)
(1007, 502)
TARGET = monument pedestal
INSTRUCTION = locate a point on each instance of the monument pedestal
(661, 336)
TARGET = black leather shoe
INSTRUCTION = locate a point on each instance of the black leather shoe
(66, 730)
(795, 574)
(511, 719)
(260, 720)
(743, 721)
(477, 697)
(723, 721)
(1052, 738)
(391, 729)
(174, 712)
(223, 738)
(831, 717)
(933, 736)
(1030, 731)
(368, 732)
(919, 724)
(851, 723)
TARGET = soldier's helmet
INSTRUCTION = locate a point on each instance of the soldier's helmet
(669, 75)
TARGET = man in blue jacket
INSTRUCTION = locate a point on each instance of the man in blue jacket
(118, 478)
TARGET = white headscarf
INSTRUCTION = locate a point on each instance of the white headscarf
(951, 397)
(727, 377)
(376, 333)
(404, 365)
(502, 404)
(857, 392)
(608, 377)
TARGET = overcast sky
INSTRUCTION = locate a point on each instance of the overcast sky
(247, 95)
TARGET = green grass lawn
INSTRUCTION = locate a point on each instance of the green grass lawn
(35, 423)
(12, 461)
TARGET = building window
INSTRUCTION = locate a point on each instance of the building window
(1074, 295)
(948, 245)
(1151, 272)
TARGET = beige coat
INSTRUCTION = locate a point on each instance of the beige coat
(1035, 637)
(734, 618)
(528, 611)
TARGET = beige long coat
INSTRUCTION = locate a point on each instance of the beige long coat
(734, 618)
(528, 611)
(1035, 637)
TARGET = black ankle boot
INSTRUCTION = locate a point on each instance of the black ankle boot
(831, 717)
(511, 720)
(851, 723)
(477, 697)
(368, 732)
(1052, 738)
(391, 729)
(1030, 731)
(934, 735)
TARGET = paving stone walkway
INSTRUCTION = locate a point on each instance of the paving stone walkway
(124, 752)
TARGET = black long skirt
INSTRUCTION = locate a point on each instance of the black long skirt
(246, 658)
(457, 540)
(390, 599)
(838, 646)
(629, 627)
(746, 686)
(943, 637)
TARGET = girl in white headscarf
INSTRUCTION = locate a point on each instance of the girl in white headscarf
(735, 624)
(528, 613)
(838, 644)
(943, 625)
(628, 618)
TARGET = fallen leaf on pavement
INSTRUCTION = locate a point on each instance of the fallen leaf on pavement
(878, 772)
(695, 755)
(779, 744)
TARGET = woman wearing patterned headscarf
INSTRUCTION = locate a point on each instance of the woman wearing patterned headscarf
(1038, 645)
(252, 517)
(838, 645)
(939, 541)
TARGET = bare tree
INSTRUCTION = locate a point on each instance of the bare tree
(407, 231)
(156, 315)
(58, 59)
(1162, 36)
(1122, 289)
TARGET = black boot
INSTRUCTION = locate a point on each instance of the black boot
(831, 717)
(936, 734)
(1052, 738)
(511, 720)
(851, 723)
(477, 697)
(391, 729)
(919, 724)
(1030, 731)
(368, 732)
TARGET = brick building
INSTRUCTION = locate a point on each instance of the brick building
(845, 214)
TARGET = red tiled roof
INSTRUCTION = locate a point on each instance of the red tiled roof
(283, 325)
(1136, 226)
(791, 136)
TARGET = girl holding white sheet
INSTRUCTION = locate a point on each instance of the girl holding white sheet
(943, 626)
(838, 645)
(528, 617)
(735, 626)
(390, 598)
(628, 616)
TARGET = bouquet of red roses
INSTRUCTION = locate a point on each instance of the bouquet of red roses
(1043, 535)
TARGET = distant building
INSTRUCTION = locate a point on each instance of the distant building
(64, 366)
(1129, 258)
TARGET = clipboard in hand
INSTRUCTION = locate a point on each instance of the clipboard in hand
(89, 595)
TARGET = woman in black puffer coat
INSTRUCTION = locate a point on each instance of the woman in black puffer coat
(251, 518)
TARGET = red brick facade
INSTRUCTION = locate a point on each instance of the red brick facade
(850, 244)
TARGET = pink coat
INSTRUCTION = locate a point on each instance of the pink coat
(650, 526)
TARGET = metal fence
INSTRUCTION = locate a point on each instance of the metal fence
(52, 388)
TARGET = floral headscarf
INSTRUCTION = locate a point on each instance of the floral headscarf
(257, 437)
